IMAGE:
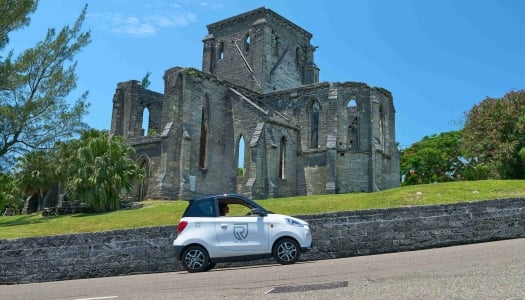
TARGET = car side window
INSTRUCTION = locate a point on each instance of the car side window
(202, 208)
(239, 210)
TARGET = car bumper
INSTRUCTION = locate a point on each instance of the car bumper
(307, 249)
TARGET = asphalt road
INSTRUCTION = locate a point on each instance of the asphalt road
(493, 270)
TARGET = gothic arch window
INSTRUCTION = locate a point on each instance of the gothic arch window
(314, 124)
(145, 121)
(282, 158)
(240, 156)
(205, 120)
(221, 51)
(247, 42)
(352, 123)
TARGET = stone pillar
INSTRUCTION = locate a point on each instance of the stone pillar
(331, 154)
(209, 54)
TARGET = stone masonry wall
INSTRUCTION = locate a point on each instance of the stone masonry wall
(335, 235)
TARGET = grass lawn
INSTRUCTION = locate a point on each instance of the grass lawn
(157, 213)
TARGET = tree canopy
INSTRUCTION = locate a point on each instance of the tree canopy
(491, 145)
(494, 136)
(13, 15)
(34, 110)
(435, 158)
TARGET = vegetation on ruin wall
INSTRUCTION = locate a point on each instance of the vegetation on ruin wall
(158, 213)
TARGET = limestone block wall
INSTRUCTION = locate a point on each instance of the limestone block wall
(335, 235)
(365, 232)
(89, 255)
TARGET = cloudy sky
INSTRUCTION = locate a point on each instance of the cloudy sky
(438, 58)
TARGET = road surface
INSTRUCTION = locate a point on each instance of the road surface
(494, 270)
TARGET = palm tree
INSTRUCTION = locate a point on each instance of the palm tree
(35, 174)
(101, 170)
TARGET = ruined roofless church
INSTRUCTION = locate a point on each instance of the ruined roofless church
(258, 99)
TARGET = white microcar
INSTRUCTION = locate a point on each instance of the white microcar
(231, 227)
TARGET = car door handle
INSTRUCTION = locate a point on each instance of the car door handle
(224, 226)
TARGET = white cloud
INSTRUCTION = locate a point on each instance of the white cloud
(149, 24)
(213, 5)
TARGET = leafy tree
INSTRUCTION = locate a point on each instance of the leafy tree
(6, 190)
(35, 174)
(494, 137)
(34, 113)
(436, 158)
(100, 169)
(13, 15)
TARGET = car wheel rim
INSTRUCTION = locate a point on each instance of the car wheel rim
(194, 259)
(287, 251)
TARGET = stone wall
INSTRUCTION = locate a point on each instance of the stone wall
(340, 234)
(365, 232)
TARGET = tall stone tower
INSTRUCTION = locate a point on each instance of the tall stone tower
(261, 51)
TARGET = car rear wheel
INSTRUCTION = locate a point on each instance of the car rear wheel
(286, 251)
(195, 259)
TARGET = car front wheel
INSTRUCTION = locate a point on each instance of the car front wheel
(195, 259)
(286, 251)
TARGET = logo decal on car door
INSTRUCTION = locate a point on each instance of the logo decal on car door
(240, 231)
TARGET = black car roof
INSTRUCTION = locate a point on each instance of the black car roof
(222, 196)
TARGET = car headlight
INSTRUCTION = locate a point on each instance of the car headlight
(294, 222)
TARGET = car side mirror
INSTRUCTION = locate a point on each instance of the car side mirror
(259, 212)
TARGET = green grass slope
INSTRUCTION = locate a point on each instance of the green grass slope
(157, 213)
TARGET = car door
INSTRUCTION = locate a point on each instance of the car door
(241, 233)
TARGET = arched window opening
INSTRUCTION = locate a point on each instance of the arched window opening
(145, 121)
(297, 56)
(240, 157)
(382, 126)
(314, 125)
(352, 130)
(351, 103)
(221, 50)
(282, 158)
(247, 41)
(205, 116)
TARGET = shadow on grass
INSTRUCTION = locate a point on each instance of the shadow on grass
(38, 219)
(90, 214)
(24, 220)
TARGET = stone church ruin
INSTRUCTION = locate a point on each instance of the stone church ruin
(257, 99)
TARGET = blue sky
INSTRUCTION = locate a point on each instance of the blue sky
(438, 58)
